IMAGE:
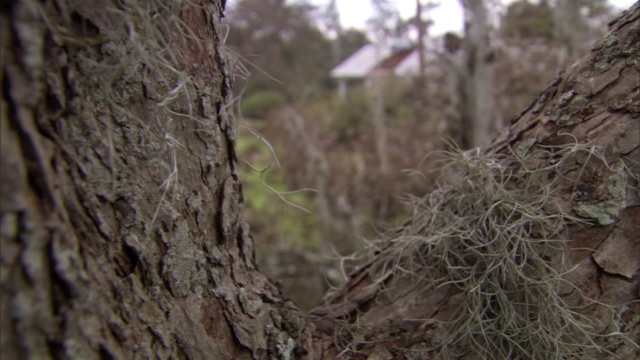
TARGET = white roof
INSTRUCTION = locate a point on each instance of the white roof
(361, 62)
(409, 65)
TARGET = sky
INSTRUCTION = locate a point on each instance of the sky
(447, 17)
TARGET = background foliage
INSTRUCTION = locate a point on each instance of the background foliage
(329, 145)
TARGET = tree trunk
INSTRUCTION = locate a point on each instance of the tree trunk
(570, 27)
(121, 208)
(475, 77)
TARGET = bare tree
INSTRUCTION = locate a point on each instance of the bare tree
(382, 24)
(422, 27)
(475, 76)
(335, 28)
(575, 24)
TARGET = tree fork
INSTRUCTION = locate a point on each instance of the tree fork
(121, 208)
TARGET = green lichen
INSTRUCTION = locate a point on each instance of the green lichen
(566, 108)
(633, 61)
(610, 41)
(177, 266)
(606, 212)
(557, 115)
(183, 267)
(603, 64)
(170, 210)
(608, 44)
(617, 185)
(566, 120)
(523, 147)
(194, 201)
(251, 304)
(222, 294)
(578, 101)
(281, 346)
(285, 349)
(597, 212)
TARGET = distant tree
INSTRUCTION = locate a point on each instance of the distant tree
(334, 27)
(578, 23)
(527, 21)
(350, 41)
(569, 25)
(475, 76)
(539, 39)
(422, 27)
(281, 46)
(384, 25)
(385, 22)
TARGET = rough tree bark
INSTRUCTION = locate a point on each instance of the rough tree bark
(120, 201)
(121, 208)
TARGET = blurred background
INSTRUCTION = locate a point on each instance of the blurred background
(342, 106)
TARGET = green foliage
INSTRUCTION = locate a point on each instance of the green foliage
(266, 193)
(350, 116)
(259, 104)
(280, 45)
(528, 21)
(350, 41)
(353, 116)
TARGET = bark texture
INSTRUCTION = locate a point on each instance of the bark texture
(380, 315)
(120, 206)
(120, 202)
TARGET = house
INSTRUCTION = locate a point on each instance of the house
(375, 60)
